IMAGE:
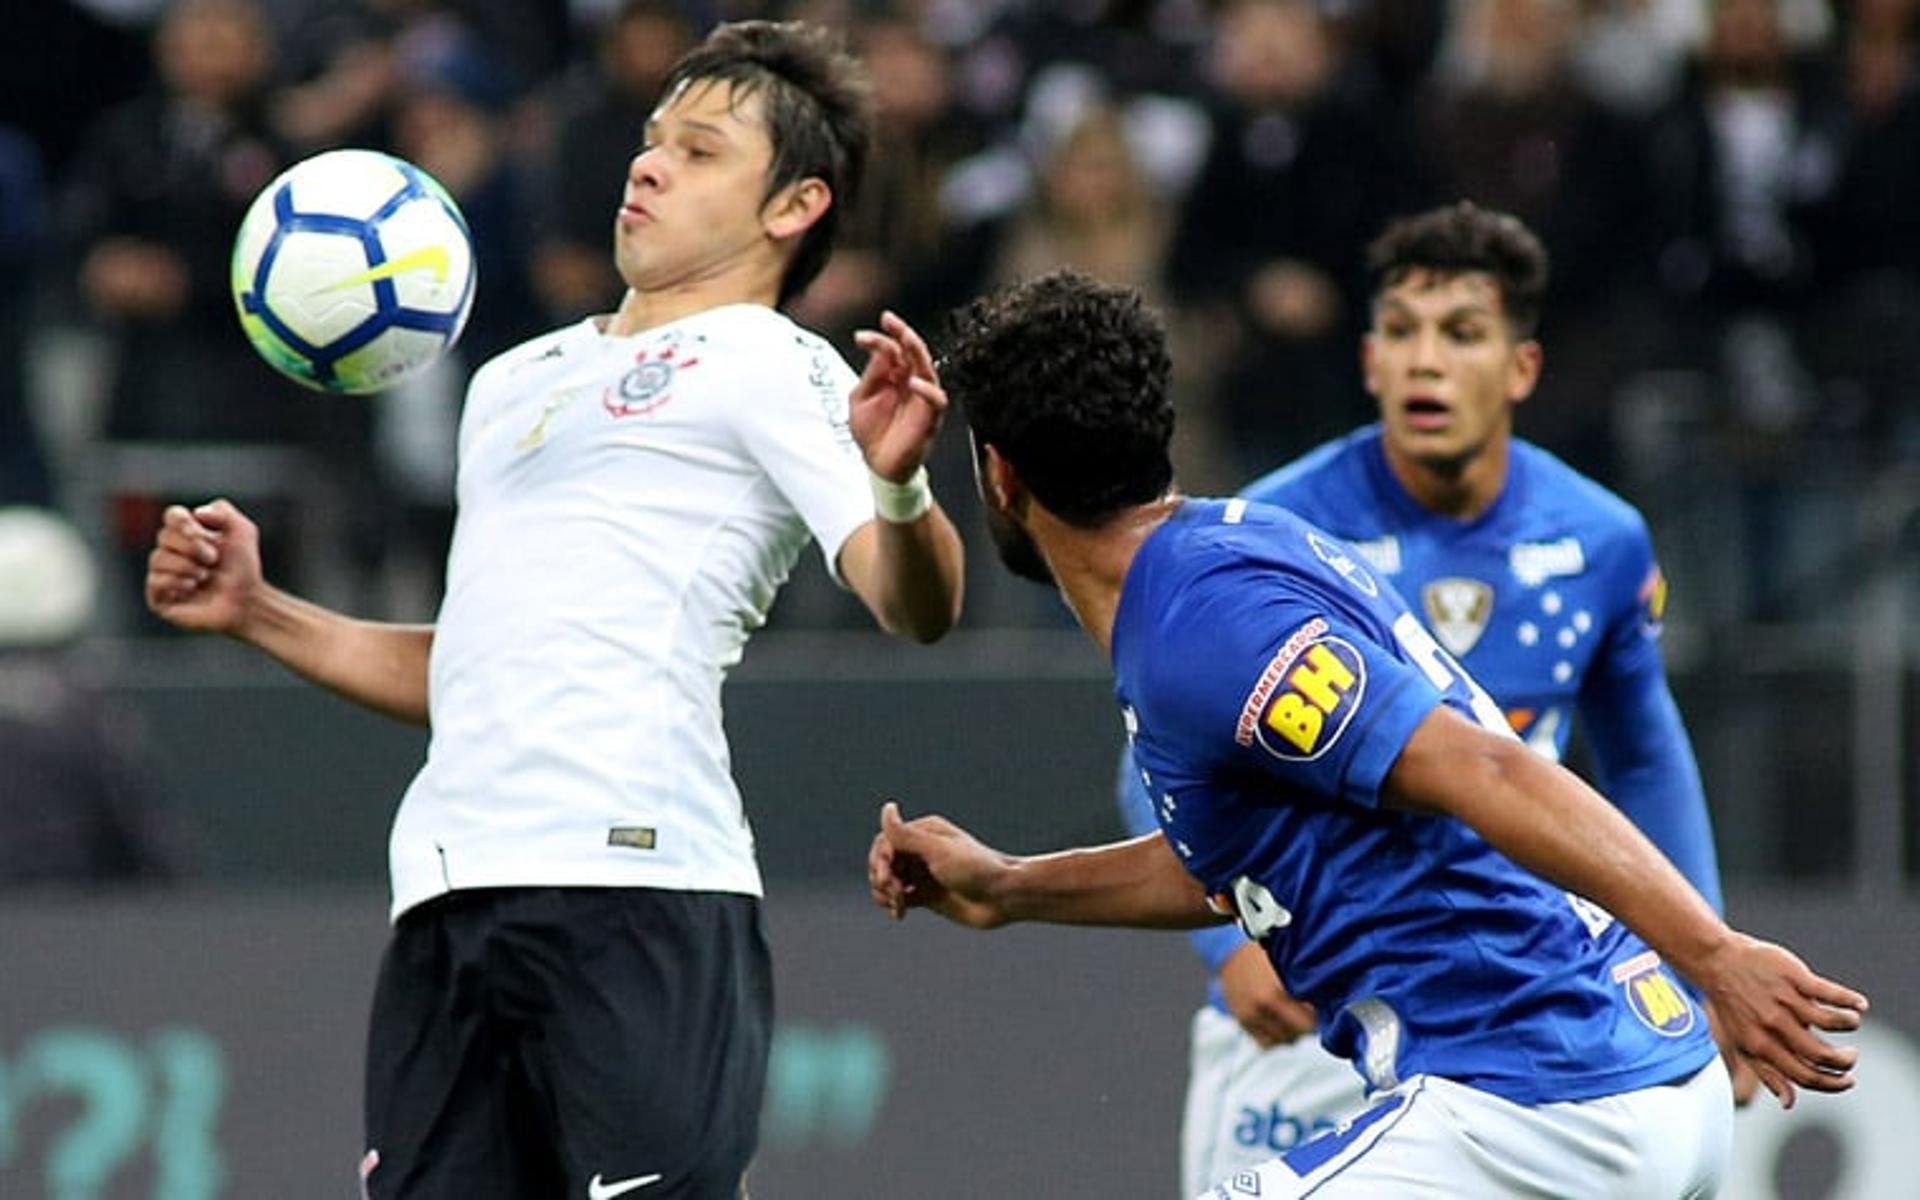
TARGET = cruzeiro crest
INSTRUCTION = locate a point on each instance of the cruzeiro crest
(648, 384)
(1457, 611)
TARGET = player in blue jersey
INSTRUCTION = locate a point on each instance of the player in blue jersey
(1322, 769)
(1536, 579)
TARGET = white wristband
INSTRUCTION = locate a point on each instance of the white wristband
(901, 503)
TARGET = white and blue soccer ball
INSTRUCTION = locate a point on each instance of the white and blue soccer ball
(352, 270)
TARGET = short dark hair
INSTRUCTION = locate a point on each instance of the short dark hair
(1462, 238)
(819, 115)
(1067, 377)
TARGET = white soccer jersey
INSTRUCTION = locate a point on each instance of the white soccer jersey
(628, 507)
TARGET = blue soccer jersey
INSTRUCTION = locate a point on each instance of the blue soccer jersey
(1552, 601)
(1268, 682)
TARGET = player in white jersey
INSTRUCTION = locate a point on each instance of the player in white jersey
(1539, 581)
(1323, 770)
(577, 997)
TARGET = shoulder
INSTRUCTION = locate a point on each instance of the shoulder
(1567, 510)
(766, 357)
(1209, 587)
(771, 337)
(1585, 505)
(552, 348)
(1239, 555)
(1306, 478)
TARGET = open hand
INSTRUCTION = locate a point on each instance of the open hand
(898, 404)
(1768, 1004)
(1258, 1000)
(1740, 1072)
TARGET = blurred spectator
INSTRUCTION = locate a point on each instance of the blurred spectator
(903, 246)
(337, 75)
(41, 44)
(1750, 145)
(344, 62)
(1864, 323)
(1399, 39)
(1093, 210)
(450, 119)
(150, 210)
(151, 207)
(1629, 54)
(597, 121)
(78, 803)
(1137, 47)
(1506, 123)
(1305, 161)
(23, 468)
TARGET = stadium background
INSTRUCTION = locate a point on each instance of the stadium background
(1736, 350)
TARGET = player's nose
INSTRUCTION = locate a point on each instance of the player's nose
(1424, 355)
(647, 169)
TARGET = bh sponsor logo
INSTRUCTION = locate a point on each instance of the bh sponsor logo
(1316, 702)
(1653, 995)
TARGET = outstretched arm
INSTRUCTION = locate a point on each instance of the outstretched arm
(905, 564)
(1215, 944)
(1544, 818)
(930, 862)
(204, 575)
(1239, 966)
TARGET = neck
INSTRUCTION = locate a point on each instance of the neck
(1461, 488)
(1090, 565)
(644, 309)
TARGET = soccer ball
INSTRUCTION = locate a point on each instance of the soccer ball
(352, 270)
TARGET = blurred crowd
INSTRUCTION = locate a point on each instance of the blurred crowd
(1730, 190)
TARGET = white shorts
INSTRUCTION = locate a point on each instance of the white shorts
(1431, 1137)
(1246, 1104)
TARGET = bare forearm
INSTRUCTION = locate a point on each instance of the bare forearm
(377, 665)
(915, 576)
(1547, 820)
(1137, 883)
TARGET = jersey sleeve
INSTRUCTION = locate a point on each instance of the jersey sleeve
(1277, 680)
(791, 414)
(1642, 755)
(1214, 944)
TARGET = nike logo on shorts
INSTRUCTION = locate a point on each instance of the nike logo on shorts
(598, 1190)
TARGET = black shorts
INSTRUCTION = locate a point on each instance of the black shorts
(575, 1043)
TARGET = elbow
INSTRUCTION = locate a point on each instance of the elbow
(921, 633)
(925, 623)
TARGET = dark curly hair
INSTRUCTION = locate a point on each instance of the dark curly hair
(1462, 238)
(819, 113)
(1067, 377)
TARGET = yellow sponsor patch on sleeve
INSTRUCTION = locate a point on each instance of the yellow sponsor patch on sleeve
(1313, 700)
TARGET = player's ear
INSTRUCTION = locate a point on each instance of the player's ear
(1366, 364)
(1523, 370)
(999, 482)
(794, 208)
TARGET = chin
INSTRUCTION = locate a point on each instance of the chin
(1017, 550)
